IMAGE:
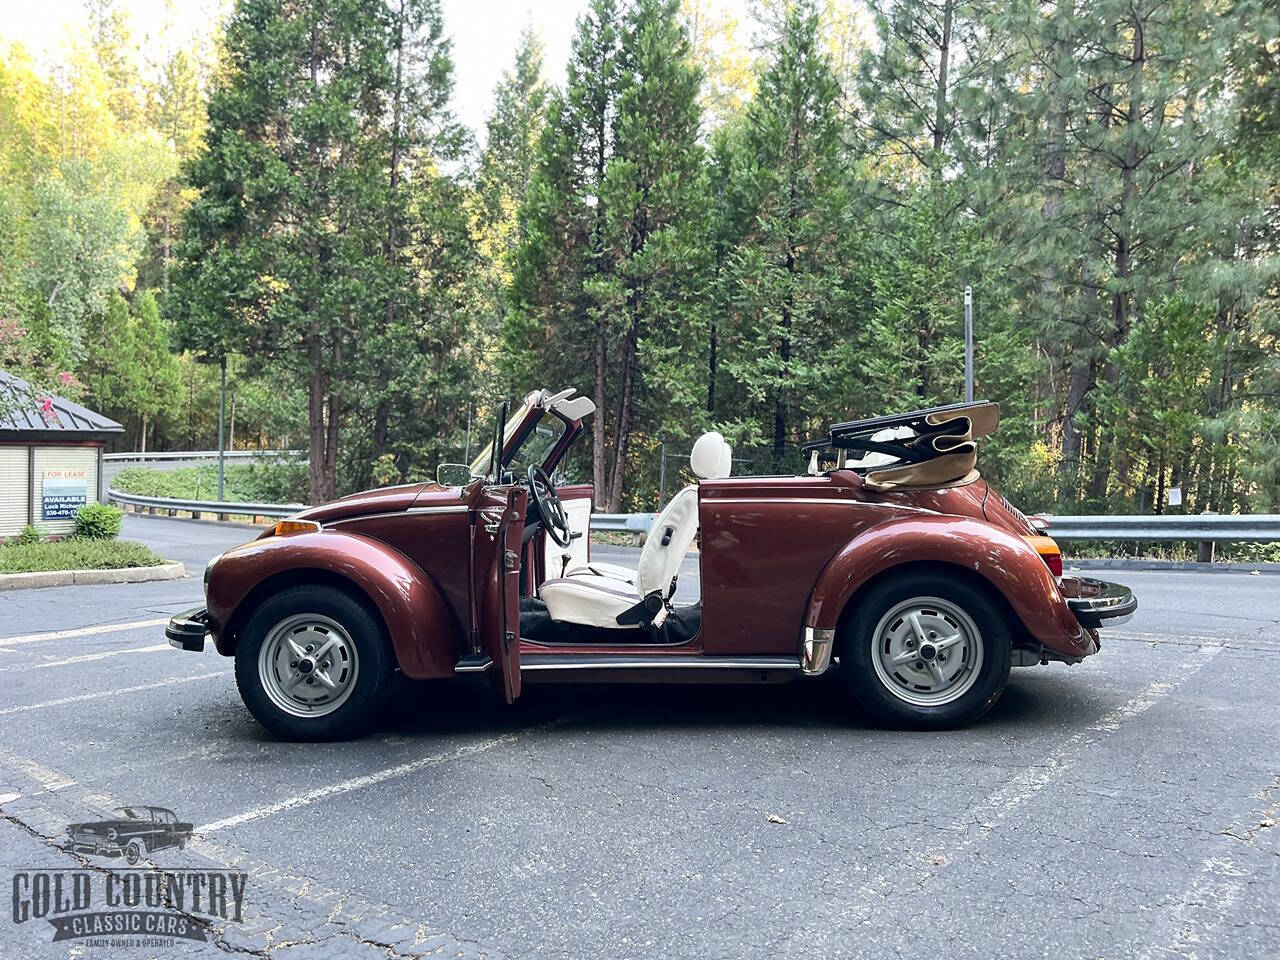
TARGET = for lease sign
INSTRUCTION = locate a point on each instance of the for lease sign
(63, 493)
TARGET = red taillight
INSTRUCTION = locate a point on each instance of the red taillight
(1049, 553)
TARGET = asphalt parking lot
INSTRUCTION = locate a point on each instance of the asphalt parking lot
(1124, 807)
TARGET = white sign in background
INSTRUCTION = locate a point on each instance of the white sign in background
(63, 493)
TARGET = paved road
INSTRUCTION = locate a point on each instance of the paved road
(1122, 808)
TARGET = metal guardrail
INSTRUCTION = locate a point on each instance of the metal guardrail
(1205, 527)
(1210, 527)
(140, 457)
(221, 508)
(623, 522)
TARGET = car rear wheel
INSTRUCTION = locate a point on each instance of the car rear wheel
(314, 663)
(926, 651)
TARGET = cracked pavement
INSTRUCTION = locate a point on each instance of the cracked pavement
(1123, 808)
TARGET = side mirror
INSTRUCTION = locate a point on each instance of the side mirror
(453, 474)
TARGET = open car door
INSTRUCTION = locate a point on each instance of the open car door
(496, 581)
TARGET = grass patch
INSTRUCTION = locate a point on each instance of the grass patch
(270, 481)
(76, 555)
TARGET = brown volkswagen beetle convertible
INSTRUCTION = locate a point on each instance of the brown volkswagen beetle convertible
(890, 555)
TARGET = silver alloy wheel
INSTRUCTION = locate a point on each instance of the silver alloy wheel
(308, 665)
(928, 651)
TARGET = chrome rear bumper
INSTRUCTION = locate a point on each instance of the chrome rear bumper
(1097, 603)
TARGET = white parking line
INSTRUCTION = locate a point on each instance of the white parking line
(987, 814)
(80, 632)
(24, 708)
(83, 658)
(50, 780)
(355, 783)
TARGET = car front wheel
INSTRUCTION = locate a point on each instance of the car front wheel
(926, 651)
(314, 663)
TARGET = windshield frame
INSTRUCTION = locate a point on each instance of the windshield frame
(520, 426)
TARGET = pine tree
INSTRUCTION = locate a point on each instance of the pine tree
(610, 264)
(786, 338)
(283, 254)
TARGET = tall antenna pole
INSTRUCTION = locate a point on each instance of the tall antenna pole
(968, 344)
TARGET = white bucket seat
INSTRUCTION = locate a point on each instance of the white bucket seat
(607, 595)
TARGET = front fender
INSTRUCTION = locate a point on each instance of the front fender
(1005, 561)
(425, 633)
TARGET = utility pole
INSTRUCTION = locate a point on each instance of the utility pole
(968, 344)
(222, 419)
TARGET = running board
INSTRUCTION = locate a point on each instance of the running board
(613, 661)
(474, 663)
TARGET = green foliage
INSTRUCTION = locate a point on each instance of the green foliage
(266, 481)
(611, 269)
(76, 554)
(29, 534)
(1103, 174)
(98, 521)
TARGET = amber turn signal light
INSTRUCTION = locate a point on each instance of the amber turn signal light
(296, 526)
(1047, 547)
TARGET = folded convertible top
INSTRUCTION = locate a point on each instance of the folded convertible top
(922, 448)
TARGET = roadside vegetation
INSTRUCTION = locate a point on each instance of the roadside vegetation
(92, 546)
(758, 227)
(274, 481)
(75, 554)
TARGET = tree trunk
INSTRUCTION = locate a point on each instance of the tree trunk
(142, 435)
(711, 371)
(940, 92)
(381, 426)
(622, 428)
(317, 386)
(598, 477)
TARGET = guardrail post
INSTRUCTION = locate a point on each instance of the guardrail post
(1204, 548)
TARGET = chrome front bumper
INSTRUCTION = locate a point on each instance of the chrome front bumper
(187, 630)
(1097, 603)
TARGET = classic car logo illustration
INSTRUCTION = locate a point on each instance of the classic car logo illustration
(149, 906)
(129, 908)
(138, 832)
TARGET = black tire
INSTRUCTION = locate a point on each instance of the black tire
(856, 649)
(372, 683)
(134, 852)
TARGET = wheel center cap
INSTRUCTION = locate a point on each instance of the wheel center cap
(928, 651)
(306, 665)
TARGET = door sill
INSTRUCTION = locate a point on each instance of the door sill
(627, 661)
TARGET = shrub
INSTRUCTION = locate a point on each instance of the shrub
(30, 534)
(98, 521)
(76, 555)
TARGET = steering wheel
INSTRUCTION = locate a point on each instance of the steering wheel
(554, 520)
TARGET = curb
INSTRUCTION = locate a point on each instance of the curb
(67, 578)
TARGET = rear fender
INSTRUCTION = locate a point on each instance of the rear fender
(425, 633)
(1005, 561)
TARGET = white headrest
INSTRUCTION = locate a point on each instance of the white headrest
(711, 456)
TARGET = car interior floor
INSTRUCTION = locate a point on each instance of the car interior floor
(680, 626)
